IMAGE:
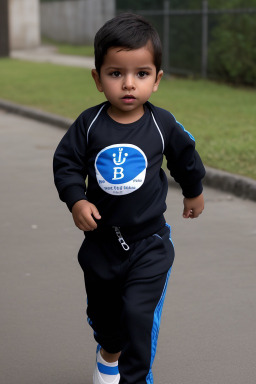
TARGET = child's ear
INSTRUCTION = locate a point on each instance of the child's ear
(158, 79)
(96, 78)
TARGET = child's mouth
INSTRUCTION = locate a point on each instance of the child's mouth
(128, 98)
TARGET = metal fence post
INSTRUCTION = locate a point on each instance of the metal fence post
(4, 29)
(204, 38)
(166, 34)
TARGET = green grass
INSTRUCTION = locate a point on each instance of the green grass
(77, 50)
(66, 91)
(221, 118)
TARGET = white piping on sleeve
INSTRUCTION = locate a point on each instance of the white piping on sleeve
(160, 133)
(94, 121)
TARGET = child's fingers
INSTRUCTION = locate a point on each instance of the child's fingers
(187, 213)
(193, 207)
(83, 214)
(191, 213)
(88, 223)
(83, 224)
(95, 212)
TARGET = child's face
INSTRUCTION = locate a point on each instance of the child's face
(127, 79)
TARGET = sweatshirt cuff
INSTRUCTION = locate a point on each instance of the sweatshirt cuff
(194, 190)
(71, 195)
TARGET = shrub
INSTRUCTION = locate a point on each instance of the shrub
(232, 49)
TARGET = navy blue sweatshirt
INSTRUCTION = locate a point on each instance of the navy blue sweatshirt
(123, 165)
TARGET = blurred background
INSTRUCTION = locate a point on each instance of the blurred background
(208, 38)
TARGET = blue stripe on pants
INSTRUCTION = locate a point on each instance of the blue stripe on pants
(155, 328)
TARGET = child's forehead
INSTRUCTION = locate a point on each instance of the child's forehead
(125, 55)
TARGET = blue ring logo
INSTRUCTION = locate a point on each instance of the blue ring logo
(120, 169)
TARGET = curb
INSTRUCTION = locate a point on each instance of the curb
(36, 114)
(236, 185)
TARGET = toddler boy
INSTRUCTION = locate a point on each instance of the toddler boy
(119, 145)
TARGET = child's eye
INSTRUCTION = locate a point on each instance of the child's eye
(115, 74)
(142, 74)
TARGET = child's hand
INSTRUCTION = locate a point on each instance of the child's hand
(83, 213)
(193, 207)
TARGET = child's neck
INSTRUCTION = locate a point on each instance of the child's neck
(125, 117)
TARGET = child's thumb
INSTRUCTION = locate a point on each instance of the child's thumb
(96, 213)
(186, 213)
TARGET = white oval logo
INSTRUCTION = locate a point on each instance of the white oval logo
(120, 169)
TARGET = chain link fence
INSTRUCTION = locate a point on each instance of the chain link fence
(203, 41)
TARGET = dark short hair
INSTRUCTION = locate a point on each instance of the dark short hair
(130, 32)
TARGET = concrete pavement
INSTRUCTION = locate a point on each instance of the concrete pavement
(48, 54)
(208, 326)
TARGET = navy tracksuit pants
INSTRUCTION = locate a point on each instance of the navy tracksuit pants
(125, 294)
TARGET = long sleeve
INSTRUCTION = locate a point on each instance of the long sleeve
(183, 160)
(69, 164)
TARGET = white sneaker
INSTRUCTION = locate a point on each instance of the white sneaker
(104, 372)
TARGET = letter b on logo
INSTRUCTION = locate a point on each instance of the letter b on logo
(118, 173)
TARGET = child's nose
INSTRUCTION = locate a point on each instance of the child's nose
(128, 83)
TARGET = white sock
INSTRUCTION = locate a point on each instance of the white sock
(107, 378)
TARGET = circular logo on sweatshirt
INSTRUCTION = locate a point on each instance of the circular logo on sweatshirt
(120, 169)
